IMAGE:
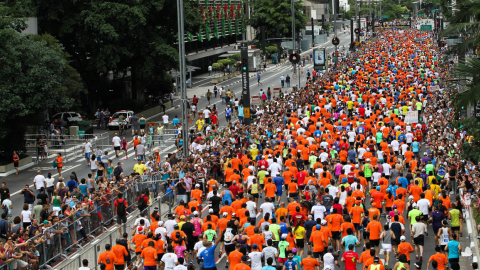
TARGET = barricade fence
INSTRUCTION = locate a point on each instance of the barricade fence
(91, 225)
(47, 147)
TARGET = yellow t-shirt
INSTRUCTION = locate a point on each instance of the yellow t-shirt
(139, 168)
(299, 232)
(200, 123)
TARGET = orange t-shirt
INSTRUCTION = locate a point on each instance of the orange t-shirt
(107, 255)
(270, 190)
(309, 263)
(149, 254)
(242, 266)
(120, 251)
(317, 238)
(257, 239)
(138, 240)
(405, 248)
(357, 214)
(374, 227)
(441, 259)
(234, 258)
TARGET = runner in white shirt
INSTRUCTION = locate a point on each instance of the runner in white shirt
(87, 150)
(170, 259)
(116, 143)
(318, 211)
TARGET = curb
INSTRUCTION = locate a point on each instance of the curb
(473, 233)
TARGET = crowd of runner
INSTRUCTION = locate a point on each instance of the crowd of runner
(334, 174)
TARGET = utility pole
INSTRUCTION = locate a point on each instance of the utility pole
(313, 34)
(293, 25)
(183, 70)
(357, 8)
(334, 26)
(263, 41)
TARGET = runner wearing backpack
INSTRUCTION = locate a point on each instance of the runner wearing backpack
(142, 202)
(120, 207)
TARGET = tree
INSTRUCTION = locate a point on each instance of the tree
(32, 76)
(134, 39)
(270, 13)
(470, 150)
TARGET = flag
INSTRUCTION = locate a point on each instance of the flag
(207, 32)
(199, 36)
(215, 32)
(236, 27)
(442, 171)
(223, 27)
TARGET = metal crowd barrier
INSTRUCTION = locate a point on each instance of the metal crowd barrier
(87, 235)
(70, 146)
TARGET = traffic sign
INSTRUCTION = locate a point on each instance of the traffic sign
(385, 16)
(294, 58)
(294, 76)
(357, 31)
(406, 15)
(356, 43)
(335, 41)
(426, 27)
(246, 112)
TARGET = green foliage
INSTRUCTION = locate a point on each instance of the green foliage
(224, 62)
(465, 21)
(389, 7)
(217, 66)
(236, 56)
(271, 49)
(126, 37)
(470, 70)
(470, 150)
(270, 13)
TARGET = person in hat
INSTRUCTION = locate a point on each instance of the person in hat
(405, 248)
(376, 265)
(242, 265)
(254, 151)
(138, 239)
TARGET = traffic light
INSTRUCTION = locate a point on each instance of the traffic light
(244, 64)
(441, 43)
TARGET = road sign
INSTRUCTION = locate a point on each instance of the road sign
(385, 16)
(246, 112)
(319, 58)
(335, 41)
(294, 58)
(406, 15)
(433, 10)
(357, 43)
(426, 27)
(294, 76)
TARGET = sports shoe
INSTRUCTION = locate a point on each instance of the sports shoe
(421, 258)
(416, 257)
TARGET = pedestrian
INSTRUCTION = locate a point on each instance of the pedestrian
(4, 191)
(39, 181)
(16, 159)
(215, 90)
(84, 265)
(258, 79)
(282, 81)
(209, 96)
(108, 257)
(165, 120)
(134, 122)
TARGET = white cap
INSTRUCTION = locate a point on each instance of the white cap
(284, 236)
(403, 238)
(197, 185)
(368, 159)
(425, 153)
(210, 210)
(410, 197)
(269, 155)
(160, 223)
(195, 213)
(267, 173)
(414, 205)
(324, 222)
(225, 214)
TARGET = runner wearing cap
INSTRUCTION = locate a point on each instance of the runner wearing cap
(405, 248)
(329, 260)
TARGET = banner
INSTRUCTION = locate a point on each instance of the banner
(411, 117)
(319, 59)
(434, 88)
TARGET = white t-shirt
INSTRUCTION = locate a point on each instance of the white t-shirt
(26, 216)
(386, 168)
(7, 203)
(404, 148)
(170, 259)
(169, 224)
(180, 267)
(274, 168)
(50, 182)
(165, 119)
(251, 208)
(351, 136)
(318, 211)
(409, 137)
(333, 191)
(87, 147)
(423, 205)
(147, 222)
(206, 113)
(394, 145)
(328, 262)
(256, 260)
(361, 151)
(199, 247)
(267, 208)
(84, 268)
(116, 141)
(161, 231)
(39, 181)
(323, 157)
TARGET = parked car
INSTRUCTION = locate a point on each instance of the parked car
(113, 123)
(66, 118)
